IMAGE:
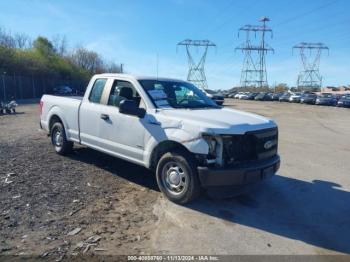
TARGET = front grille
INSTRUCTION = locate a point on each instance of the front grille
(250, 146)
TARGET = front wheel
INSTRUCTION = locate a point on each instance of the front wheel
(177, 177)
(59, 140)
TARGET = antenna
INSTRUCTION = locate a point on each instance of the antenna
(157, 65)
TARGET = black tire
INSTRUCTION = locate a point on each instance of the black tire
(59, 141)
(188, 176)
(14, 110)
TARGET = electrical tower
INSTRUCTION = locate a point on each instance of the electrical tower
(309, 77)
(196, 74)
(254, 64)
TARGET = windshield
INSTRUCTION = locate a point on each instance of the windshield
(326, 95)
(210, 91)
(261, 95)
(176, 94)
(310, 95)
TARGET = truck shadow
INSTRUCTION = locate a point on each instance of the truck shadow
(317, 212)
(128, 171)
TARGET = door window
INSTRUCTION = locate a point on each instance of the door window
(122, 90)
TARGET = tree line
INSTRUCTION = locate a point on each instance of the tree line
(49, 58)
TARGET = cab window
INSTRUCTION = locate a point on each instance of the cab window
(97, 90)
(122, 90)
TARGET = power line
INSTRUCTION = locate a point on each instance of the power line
(306, 13)
(242, 10)
(312, 30)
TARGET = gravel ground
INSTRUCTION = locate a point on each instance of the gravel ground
(45, 196)
(90, 203)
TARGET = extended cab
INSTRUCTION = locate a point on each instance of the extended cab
(169, 126)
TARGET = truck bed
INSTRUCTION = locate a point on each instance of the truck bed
(62, 105)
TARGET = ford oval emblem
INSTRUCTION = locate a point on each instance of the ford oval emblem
(268, 144)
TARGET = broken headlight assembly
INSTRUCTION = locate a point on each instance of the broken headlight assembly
(212, 144)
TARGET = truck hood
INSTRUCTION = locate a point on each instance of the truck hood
(218, 121)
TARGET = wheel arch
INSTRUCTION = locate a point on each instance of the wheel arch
(54, 119)
(164, 147)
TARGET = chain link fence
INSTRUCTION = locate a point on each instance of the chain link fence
(30, 87)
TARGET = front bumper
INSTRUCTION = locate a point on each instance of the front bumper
(342, 104)
(325, 103)
(242, 174)
(306, 101)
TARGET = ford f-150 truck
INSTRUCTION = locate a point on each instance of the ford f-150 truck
(169, 126)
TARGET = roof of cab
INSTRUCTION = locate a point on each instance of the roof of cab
(137, 77)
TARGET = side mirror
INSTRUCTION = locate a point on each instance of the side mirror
(129, 107)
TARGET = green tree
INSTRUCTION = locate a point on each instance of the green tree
(43, 46)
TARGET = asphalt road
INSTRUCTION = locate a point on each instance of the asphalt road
(304, 209)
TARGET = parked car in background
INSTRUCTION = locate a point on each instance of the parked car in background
(308, 98)
(326, 99)
(63, 90)
(244, 96)
(263, 97)
(251, 96)
(238, 95)
(285, 97)
(276, 96)
(344, 101)
(295, 98)
(216, 96)
(231, 95)
(338, 96)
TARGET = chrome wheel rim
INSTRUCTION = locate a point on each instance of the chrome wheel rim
(57, 138)
(175, 178)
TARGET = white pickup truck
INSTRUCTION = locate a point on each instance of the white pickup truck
(169, 126)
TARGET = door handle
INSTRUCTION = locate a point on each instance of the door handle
(104, 116)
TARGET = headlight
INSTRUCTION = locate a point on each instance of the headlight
(211, 143)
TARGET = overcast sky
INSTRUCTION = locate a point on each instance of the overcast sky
(133, 32)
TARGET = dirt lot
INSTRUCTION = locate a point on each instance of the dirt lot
(91, 203)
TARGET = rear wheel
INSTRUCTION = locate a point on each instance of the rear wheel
(59, 140)
(177, 177)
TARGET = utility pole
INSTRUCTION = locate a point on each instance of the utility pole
(254, 73)
(309, 77)
(196, 74)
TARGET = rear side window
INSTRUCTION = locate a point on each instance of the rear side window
(97, 90)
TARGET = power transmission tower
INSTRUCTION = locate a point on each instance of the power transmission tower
(196, 73)
(309, 77)
(254, 64)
